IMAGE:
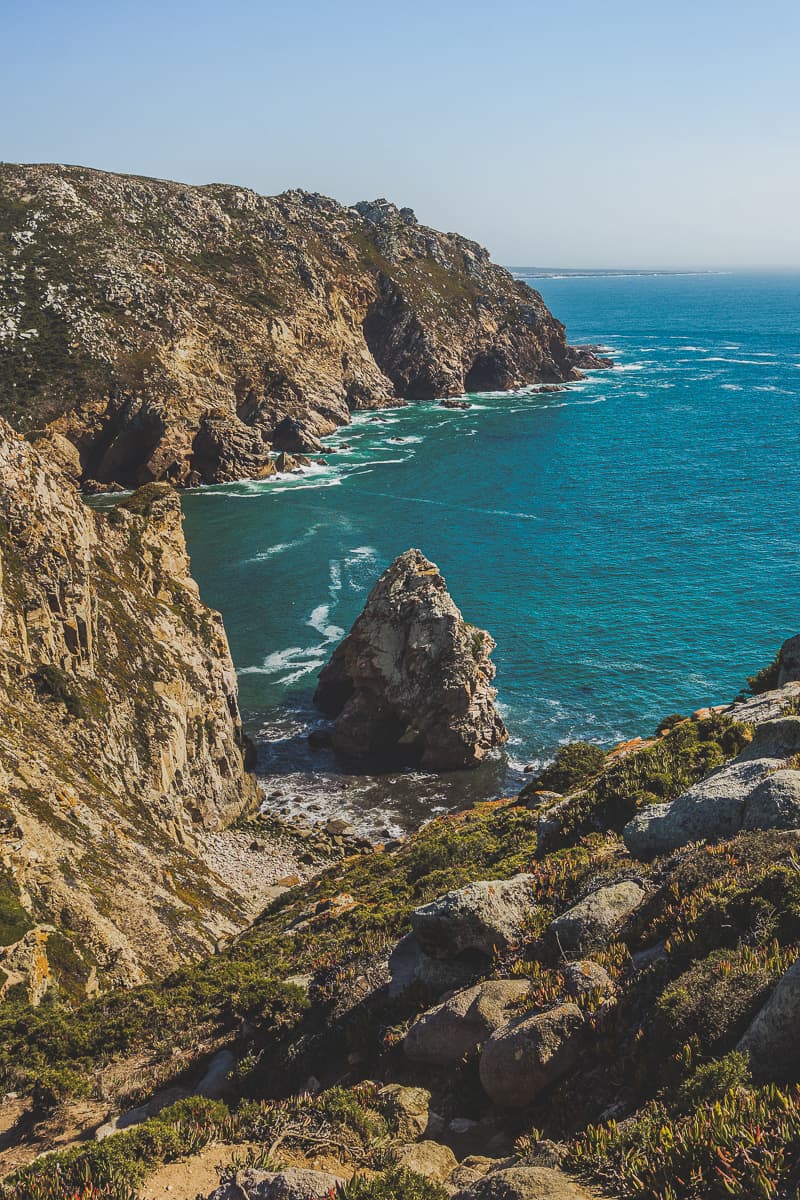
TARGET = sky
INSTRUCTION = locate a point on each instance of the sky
(567, 134)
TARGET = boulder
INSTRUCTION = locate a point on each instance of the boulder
(593, 920)
(524, 1183)
(775, 803)
(712, 808)
(410, 967)
(789, 661)
(444, 1034)
(213, 1083)
(583, 978)
(410, 1111)
(522, 1058)
(412, 680)
(483, 916)
(295, 436)
(779, 739)
(431, 1159)
(771, 1042)
(291, 1184)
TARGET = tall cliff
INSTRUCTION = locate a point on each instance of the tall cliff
(119, 735)
(176, 332)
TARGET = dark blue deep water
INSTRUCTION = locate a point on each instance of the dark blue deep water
(631, 542)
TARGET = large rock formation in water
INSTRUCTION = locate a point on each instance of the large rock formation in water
(413, 679)
(176, 332)
(120, 736)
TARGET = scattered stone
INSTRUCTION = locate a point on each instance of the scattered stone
(451, 402)
(522, 1058)
(594, 919)
(483, 916)
(446, 1033)
(412, 681)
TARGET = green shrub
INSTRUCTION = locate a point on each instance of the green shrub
(573, 765)
(712, 1080)
(746, 1144)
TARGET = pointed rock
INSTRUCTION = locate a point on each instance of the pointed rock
(412, 680)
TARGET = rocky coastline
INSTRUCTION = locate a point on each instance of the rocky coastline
(156, 331)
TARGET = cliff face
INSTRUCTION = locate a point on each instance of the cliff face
(176, 332)
(119, 735)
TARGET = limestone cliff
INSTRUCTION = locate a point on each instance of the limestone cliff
(119, 735)
(176, 332)
(412, 678)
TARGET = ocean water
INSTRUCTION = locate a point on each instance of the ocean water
(631, 542)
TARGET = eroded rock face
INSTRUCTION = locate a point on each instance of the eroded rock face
(174, 332)
(528, 1054)
(444, 1034)
(412, 679)
(482, 917)
(119, 726)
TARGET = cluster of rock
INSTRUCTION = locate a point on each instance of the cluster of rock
(759, 789)
(412, 678)
(187, 333)
(502, 1183)
(522, 1050)
(120, 733)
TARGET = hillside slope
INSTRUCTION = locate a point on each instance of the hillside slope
(169, 331)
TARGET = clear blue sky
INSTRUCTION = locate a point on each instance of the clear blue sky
(568, 133)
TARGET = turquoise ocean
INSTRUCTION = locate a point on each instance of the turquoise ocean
(631, 542)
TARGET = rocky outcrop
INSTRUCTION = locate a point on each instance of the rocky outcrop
(528, 1054)
(755, 791)
(120, 736)
(445, 1034)
(292, 1184)
(593, 920)
(482, 917)
(176, 332)
(412, 679)
(524, 1183)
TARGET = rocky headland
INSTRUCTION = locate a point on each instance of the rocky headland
(159, 331)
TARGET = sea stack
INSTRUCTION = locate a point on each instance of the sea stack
(412, 680)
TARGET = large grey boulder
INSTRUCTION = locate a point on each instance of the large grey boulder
(524, 1183)
(291, 1184)
(482, 916)
(444, 1034)
(789, 661)
(771, 1041)
(775, 803)
(712, 808)
(522, 1058)
(779, 739)
(593, 920)
(412, 677)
